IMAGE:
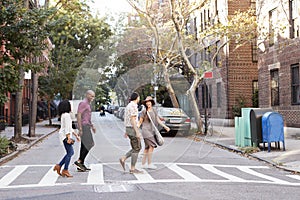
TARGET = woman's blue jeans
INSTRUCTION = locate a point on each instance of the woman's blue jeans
(67, 158)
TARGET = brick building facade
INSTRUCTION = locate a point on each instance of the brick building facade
(235, 72)
(279, 58)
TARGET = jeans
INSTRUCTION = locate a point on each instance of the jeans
(67, 158)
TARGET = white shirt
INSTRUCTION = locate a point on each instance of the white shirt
(131, 110)
(65, 126)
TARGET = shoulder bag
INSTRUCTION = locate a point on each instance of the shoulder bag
(159, 139)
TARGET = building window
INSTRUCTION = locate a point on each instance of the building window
(272, 27)
(293, 15)
(295, 84)
(218, 57)
(274, 87)
(206, 96)
(216, 8)
(209, 96)
(201, 22)
(208, 18)
(195, 28)
(204, 19)
(254, 51)
(253, 4)
(255, 102)
(219, 95)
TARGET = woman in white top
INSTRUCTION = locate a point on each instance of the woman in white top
(66, 137)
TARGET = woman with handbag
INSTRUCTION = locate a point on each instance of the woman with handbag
(66, 133)
(149, 120)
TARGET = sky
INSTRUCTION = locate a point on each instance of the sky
(110, 6)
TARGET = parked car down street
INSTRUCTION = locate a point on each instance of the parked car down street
(176, 119)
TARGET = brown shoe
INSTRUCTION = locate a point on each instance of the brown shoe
(66, 173)
(135, 171)
(57, 169)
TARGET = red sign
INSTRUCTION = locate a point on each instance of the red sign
(208, 75)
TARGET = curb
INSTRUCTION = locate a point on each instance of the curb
(251, 155)
(28, 146)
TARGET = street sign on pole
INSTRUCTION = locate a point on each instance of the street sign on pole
(208, 74)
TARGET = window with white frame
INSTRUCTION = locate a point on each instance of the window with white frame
(294, 18)
(272, 22)
(274, 87)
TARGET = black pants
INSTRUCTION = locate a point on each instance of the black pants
(87, 142)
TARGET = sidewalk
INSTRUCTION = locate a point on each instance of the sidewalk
(288, 160)
(42, 130)
(223, 137)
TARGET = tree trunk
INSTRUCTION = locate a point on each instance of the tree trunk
(49, 112)
(33, 105)
(18, 108)
(193, 103)
(170, 88)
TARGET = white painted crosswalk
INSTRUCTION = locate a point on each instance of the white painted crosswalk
(104, 174)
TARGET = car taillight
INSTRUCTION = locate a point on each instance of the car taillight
(188, 120)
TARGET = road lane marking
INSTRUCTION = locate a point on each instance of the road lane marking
(186, 175)
(145, 177)
(49, 179)
(255, 173)
(214, 170)
(297, 177)
(12, 175)
(95, 176)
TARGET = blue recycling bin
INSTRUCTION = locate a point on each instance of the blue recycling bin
(272, 129)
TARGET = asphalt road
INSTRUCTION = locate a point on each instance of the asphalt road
(187, 169)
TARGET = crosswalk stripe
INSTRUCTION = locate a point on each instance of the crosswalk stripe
(182, 172)
(50, 178)
(230, 177)
(255, 173)
(95, 176)
(12, 175)
(297, 177)
(144, 177)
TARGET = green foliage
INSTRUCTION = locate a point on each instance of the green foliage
(237, 109)
(102, 95)
(23, 34)
(4, 145)
(75, 34)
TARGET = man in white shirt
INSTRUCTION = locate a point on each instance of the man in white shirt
(132, 131)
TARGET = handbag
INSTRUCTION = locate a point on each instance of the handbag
(158, 137)
(72, 141)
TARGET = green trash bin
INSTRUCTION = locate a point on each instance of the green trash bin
(242, 129)
(246, 127)
(237, 131)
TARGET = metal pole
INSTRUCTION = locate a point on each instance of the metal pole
(205, 108)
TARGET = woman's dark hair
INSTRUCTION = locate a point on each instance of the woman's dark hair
(64, 107)
(134, 96)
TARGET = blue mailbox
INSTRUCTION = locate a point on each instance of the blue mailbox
(272, 129)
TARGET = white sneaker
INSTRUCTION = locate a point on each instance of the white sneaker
(145, 166)
(151, 166)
